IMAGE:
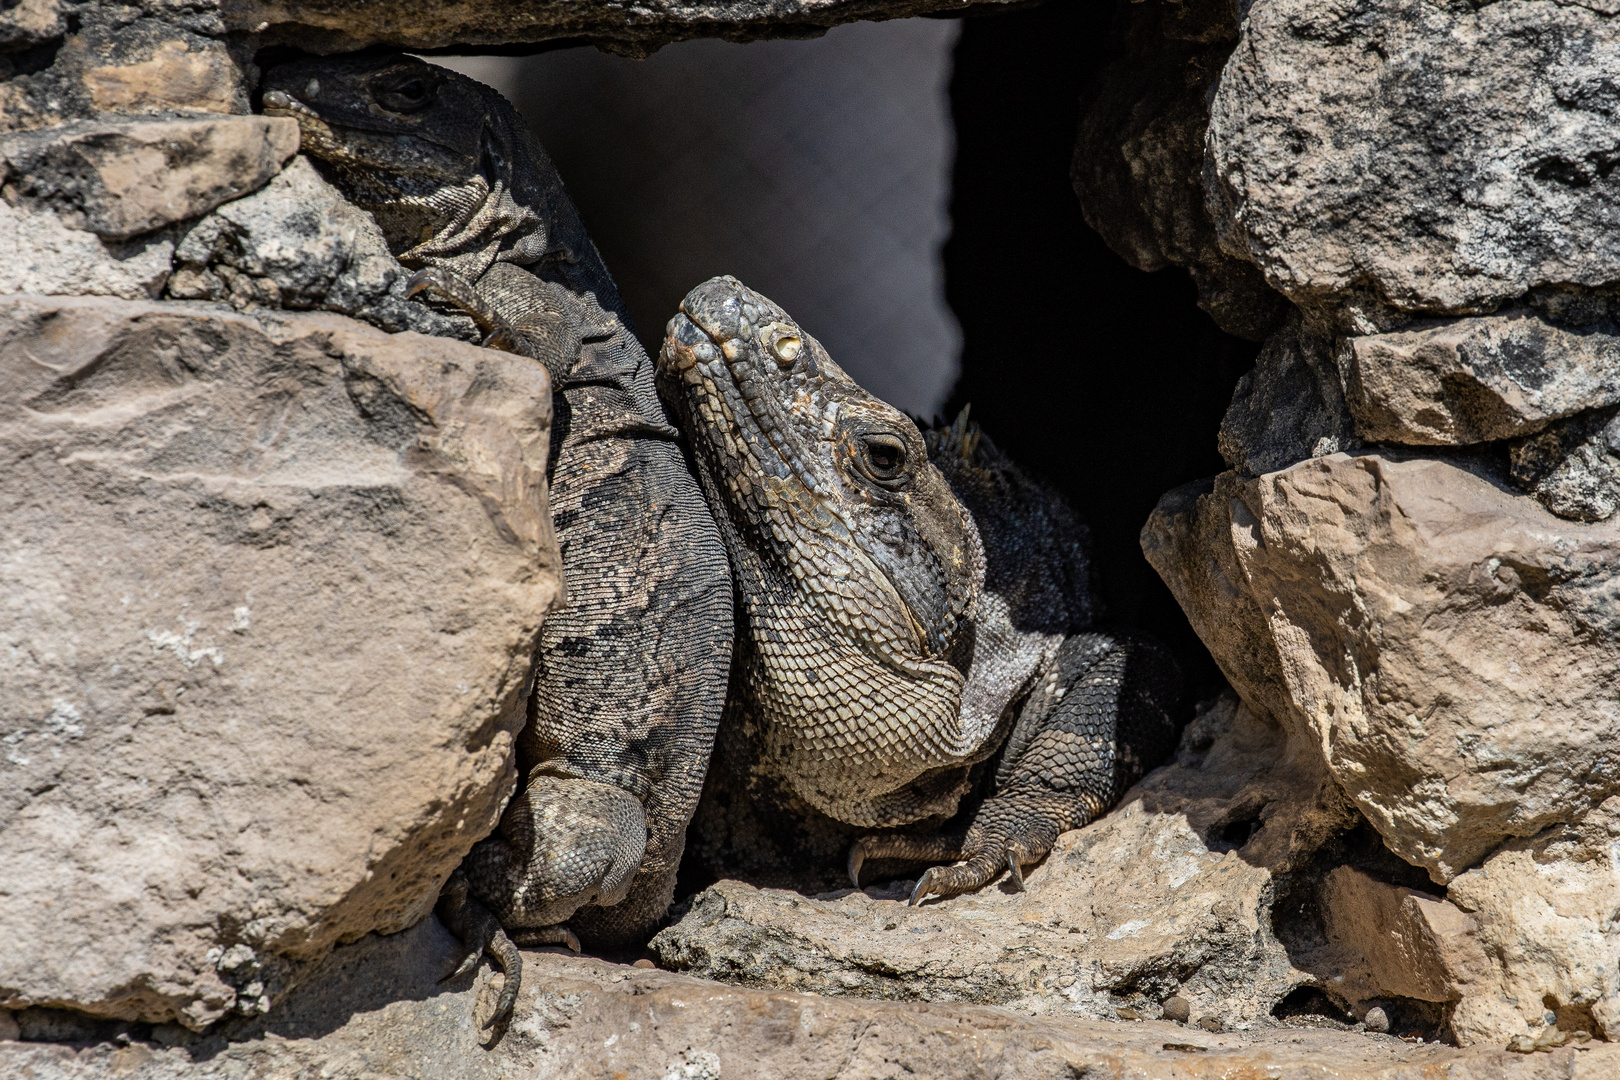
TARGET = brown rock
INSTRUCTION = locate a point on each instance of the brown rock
(375, 1009)
(270, 594)
(118, 179)
(1109, 920)
(1450, 651)
(1400, 942)
(1475, 380)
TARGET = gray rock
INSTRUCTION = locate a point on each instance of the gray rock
(1138, 158)
(121, 178)
(1573, 467)
(39, 254)
(1446, 157)
(299, 244)
(271, 589)
(337, 26)
(1290, 407)
(1475, 380)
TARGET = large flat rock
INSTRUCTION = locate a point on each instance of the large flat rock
(268, 594)
(378, 1012)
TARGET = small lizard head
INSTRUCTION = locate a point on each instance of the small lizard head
(827, 483)
(418, 145)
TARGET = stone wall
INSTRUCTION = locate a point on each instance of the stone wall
(1411, 566)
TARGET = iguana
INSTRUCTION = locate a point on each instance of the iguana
(631, 674)
(913, 618)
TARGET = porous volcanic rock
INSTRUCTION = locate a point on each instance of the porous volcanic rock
(1170, 894)
(1436, 157)
(376, 1009)
(269, 596)
(121, 178)
(1449, 648)
(1290, 406)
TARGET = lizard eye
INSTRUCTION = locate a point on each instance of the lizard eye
(405, 95)
(785, 345)
(883, 458)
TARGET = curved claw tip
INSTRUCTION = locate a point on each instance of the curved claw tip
(1015, 870)
(468, 962)
(856, 859)
(570, 939)
(919, 893)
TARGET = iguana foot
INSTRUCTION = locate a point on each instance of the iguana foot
(480, 932)
(1007, 834)
(456, 290)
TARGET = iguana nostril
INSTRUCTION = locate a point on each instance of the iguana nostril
(277, 99)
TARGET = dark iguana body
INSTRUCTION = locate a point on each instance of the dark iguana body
(631, 675)
(901, 623)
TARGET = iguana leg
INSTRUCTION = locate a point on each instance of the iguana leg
(562, 843)
(479, 932)
(1085, 734)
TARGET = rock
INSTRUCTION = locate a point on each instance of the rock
(329, 26)
(1447, 649)
(139, 57)
(298, 243)
(1139, 155)
(269, 596)
(1573, 467)
(39, 254)
(1461, 381)
(376, 1009)
(1177, 1009)
(1441, 158)
(119, 179)
(1290, 407)
(1546, 910)
(1376, 1020)
(1168, 895)
(1396, 942)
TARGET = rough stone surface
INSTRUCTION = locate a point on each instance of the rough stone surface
(335, 26)
(270, 592)
(1289, 407)
(1441, 157)
(1475, 380)
(376, 1011)
(118, 179)
(1573, 466)
(1547, 911)
(82, 59)
(1450, 648)
(299, 244)
(1139, 156)
(1154, 900)
(39, 254)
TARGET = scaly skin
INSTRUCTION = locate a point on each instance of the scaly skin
(631, 674)
(902, 621)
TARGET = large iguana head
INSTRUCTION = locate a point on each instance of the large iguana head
(443, 163)
(857, 567)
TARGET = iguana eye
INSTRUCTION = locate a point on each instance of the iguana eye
(784, 344)
(405, 95)
(883, 457)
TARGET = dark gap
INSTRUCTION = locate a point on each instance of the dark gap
(1309, 1003)
(1107, 382)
